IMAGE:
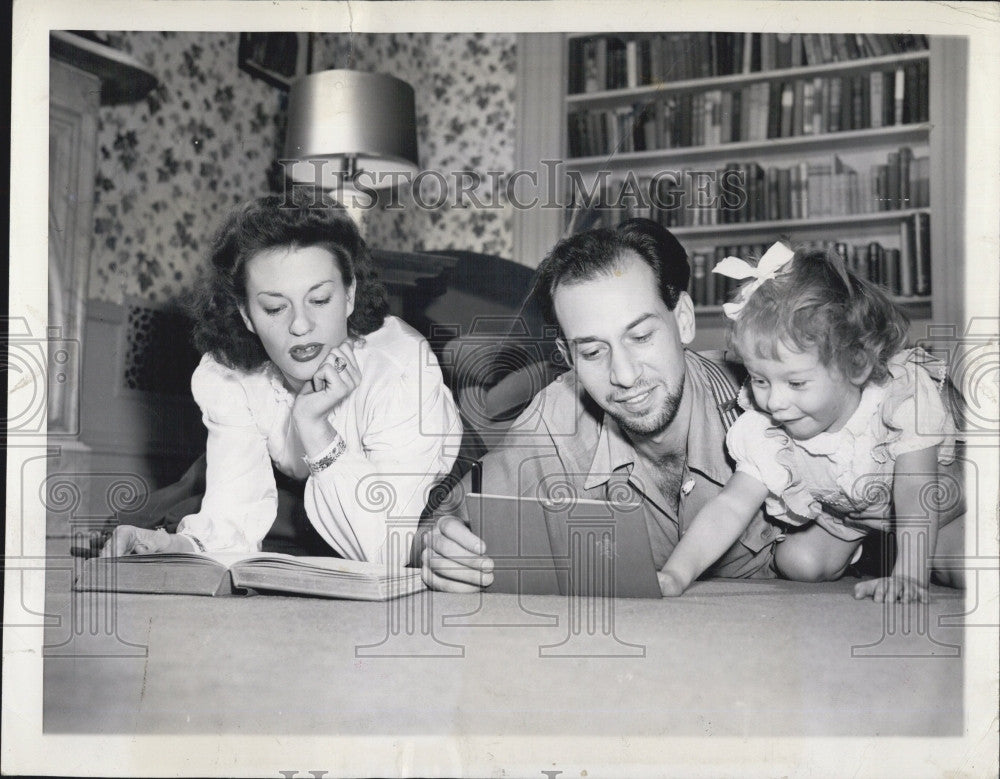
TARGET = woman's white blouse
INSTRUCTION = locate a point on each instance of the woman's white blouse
(402, 432)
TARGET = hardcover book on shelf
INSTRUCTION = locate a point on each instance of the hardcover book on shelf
(907, 262)
(905, 161)
(922, 250)
(243, 574)
(699, 278)
(890, 271)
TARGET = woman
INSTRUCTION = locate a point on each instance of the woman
(302, 368)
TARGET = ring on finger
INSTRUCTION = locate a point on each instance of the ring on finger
(339, 364)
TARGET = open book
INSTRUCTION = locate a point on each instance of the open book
(240, 574)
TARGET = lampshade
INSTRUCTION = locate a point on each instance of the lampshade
(357, 126)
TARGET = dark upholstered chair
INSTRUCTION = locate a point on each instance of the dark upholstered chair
(487, 329)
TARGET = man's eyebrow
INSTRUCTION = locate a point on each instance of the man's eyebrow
(281, 294)
(634, 323)
(638, 321)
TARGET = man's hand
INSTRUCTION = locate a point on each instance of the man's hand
(453, 558)
(891, 588)
(127, 539)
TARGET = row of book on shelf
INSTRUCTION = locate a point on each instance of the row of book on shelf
(745, 192)
(903, 271)
(754, 112)
(607, 62)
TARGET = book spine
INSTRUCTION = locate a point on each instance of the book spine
(874, 262)
(833, 111)
(797, 53)
(923, 85)
(882, 199)
(632, 64)
(783, 50)
(890, 270)
(840, 48)
(825, 47)
(899, 96)
(892, 181)
(876, 109)
(699, 278)
(810, 47)
(858, 103)
(775, 109)
(905, 156)
(923, 235)
(772, 194)
(767, 58)
(804, 204)
(798, 107)
(787, 109)
(908, 257)
(846, 93)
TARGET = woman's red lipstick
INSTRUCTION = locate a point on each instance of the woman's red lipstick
(305, 352)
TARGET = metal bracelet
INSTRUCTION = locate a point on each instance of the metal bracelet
(328, 457)
(194, 540)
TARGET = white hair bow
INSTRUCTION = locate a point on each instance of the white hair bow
(774, 260)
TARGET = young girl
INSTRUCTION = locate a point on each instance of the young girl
(844, 430)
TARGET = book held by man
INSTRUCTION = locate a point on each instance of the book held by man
(244, 574)
(565, 545)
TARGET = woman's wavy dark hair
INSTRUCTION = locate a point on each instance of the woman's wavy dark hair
(818, 303)
(267, 223)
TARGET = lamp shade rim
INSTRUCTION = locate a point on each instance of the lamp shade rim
(340, 114)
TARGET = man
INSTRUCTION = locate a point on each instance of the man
(635, 405)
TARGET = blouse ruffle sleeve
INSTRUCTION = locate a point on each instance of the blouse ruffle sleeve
(241, 500)
(915, 415)
(367, 504)
(754, 449)
(762, 451)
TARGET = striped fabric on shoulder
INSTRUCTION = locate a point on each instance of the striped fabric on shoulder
(722, 383)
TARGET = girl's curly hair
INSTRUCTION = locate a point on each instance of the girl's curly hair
(818, 303)
(267, 223)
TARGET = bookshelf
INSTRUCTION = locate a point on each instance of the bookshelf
(857, 142)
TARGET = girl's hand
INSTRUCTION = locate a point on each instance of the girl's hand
(891, 588)
(336, 378)
(127, 539)
(671, 584)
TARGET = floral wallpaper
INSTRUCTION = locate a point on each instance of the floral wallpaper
(170, 166)
(208, 136)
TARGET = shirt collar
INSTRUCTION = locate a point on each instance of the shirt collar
(705, 440)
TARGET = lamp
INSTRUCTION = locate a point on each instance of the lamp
(343, 124)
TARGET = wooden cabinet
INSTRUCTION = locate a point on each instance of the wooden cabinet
(83, 75)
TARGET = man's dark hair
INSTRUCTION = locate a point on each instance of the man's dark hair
(267, 223)
(598, 252)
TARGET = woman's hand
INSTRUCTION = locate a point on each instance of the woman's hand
(453, 558)
(127, 539)
(336, 378)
